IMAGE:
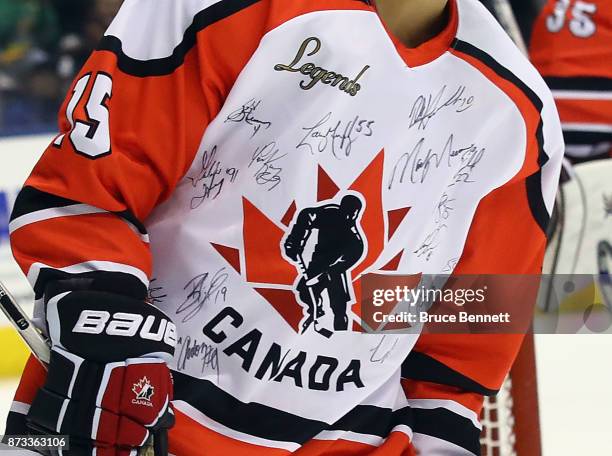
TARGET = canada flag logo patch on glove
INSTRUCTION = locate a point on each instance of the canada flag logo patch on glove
(143, 391)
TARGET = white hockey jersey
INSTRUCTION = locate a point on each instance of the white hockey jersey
(248, 162)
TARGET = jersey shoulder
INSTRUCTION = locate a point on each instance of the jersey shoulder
(160, 33)
(480, 34)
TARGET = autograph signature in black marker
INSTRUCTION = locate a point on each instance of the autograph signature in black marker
(430, 243)
(337, 138)
(265, 160)
(382, 351)
(444, 208)
(246, 114)
(415, 166)
(155, 294)
(189, 350)
(211, 178)
(425, 108)
(201, 290)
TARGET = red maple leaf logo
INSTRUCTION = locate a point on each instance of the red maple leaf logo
(269, 272)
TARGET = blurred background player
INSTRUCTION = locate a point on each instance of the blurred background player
(571, 46)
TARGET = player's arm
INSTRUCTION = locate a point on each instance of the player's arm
(446, 376)
(129, 130)
(296, 239)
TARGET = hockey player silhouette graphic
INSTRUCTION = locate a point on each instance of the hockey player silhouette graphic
(339, 246)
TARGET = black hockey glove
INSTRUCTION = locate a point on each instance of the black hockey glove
(108, 385)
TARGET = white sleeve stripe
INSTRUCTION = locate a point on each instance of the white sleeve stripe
(594, 127)
(586, 150)
(330, 434)
(581, 95)
(67, 211)
(368, 439)
(88, 266)
(143, 237)
(20, 407)
(52, 213)
(447, 404)
(428, 445)
(404, 430)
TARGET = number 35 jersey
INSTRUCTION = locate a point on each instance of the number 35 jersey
(245, 163)
(571, 46)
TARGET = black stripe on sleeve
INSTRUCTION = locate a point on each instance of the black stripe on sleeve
(266, 422)
(167, 65)
(51, 282)
(31, 200)
(501, 70)
(421, 367)
(448, 426)
(587, 84)
(372, 420)
(535, 197)
(533, 182)
(131, 218)
(250, 418)
(579, 137)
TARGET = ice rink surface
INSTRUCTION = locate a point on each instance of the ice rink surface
(575, 392)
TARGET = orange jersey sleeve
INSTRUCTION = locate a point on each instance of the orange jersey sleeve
(447, 376)
(130, 127)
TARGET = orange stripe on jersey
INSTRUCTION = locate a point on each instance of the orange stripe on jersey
(530, 106)
(66, 241)
(190, 437)
(231, 42)
(428, 390)
(503, 222)
(515, 245)
(512, 226)
(585, 111)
